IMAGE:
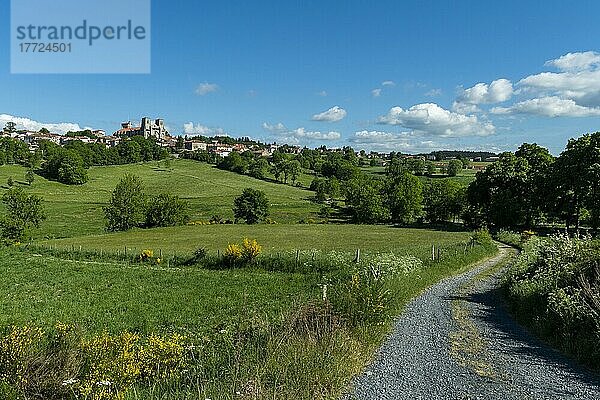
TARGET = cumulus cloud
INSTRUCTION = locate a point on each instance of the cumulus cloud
(578, 79)
(431, 119)
(376, 92)
(549, 107)
(387, 141)
(496, 92)
(275, 128)
(334, 114)
(576, 61)
(31, 125)
(295, 136)
(198, 129)
(388, 83)
(206, 88)
(303, 133)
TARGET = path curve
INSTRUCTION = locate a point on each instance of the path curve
(457, 341)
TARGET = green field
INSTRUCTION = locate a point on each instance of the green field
(243, 325)
(77, 210)
(99, 296)
(273, 238)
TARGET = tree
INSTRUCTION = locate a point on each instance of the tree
(404, 195)
(234, 162)
(10, 182)
(23, 212)
(443, 200)
(29, 176)
(294, 169)
(44, 130)
(496, 197)
(576, 177)
(71, 170)
(127, 205)
(10, 127)
(454, 167)
(65, 166)
(431, 169)
(364, 200)
(259, 168)
(166, 210)
(252, 206)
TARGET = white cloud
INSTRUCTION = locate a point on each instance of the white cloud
(465, 108)
(31, 125)
(496, 92)
(206, 88)
(387, 141)
(276, 128)
(198, 129)
(294, 136)
(581, 86)
(431, 119)
(334, 114)
(322, 93)
(578, 79)
(434, 93)
(576, 61)
(316, 135)
(388, 83)
(548, 107)
(376, 92)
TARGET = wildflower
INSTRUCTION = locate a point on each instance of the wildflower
(69, 382)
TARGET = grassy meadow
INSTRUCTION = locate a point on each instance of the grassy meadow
(273, 238)
(77, 210)
(160, 330)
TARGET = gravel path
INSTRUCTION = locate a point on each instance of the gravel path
(456, 341)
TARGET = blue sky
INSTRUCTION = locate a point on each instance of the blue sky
(377, 75)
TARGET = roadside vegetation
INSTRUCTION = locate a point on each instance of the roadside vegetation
(554, 288)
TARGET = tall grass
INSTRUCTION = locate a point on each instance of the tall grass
(307, 350)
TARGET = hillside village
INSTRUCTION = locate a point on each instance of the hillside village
(221, 146)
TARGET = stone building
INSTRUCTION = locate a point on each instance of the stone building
(148, 128)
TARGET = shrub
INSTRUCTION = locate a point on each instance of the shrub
(233, 253)
(553, 287)
(166, 210)
(23, 212)
(482, 237)
(127, 205)
(250, 249)
(251, 206)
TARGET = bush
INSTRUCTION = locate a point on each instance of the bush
(23, 212)
(553, 286)
(482, 237)
(166, 210)
(251, 206)
(127, 205)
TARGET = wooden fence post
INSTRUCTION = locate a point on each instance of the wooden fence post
(357, 257)
(432, 252)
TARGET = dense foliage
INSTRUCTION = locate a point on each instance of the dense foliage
(251, 206)
(130, 207)
(23, 212)
(554, 286)
(69, 164)
(530, 186)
